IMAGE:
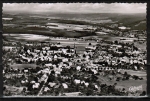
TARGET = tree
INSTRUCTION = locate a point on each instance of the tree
(4, 88)
(143, 93)
(30, 87)
(89, 92)
(135, 77)
(24, 89)
(118, 79)
(125, 73)
(38, 68)
(116, 42)
(68, 47)
(84, 55)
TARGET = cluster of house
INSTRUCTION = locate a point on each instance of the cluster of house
(64, 71)
(120, 55)
(57, 52)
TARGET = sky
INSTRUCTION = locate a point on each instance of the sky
(76, 7)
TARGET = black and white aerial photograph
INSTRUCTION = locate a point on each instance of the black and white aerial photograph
(74, 49)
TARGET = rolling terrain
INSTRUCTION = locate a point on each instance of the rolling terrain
(24, 23)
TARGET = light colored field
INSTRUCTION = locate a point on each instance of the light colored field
(128, 83)
(132, 72)
(22, 66)
(14, 90)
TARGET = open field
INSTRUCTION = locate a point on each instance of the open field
(23, 66)
(128, 83)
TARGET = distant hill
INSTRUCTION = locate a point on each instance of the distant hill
(134, 21)
(20, 21)
(138, 25)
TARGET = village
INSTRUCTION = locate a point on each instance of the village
(107, 68)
